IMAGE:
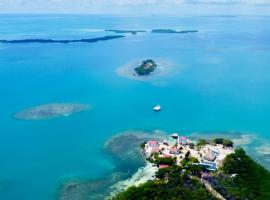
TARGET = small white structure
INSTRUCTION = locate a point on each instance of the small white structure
(183, 140)
(157, 108)
(174, 136)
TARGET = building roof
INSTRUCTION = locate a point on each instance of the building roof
(211, 166)
(153, 142)
(163, 166)
(210, 156)
(166, 155)
(155, 150)
(183, 138)
(173, 150)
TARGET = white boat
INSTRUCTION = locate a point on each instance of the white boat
(157, 108)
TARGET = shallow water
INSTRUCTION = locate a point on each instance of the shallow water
(221, 85)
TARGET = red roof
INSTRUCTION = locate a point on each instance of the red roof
(167, 155)
(155, 150)
(173, 149)
(163, 166)
(153, 142)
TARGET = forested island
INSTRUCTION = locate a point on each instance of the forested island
(125, 31)
(146, 67)
(90, 40)
(238, 177)
(173, 31)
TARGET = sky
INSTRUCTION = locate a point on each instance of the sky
(166, 7)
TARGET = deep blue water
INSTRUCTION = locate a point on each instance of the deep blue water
(220, 82)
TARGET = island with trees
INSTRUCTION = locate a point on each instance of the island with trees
(210, 169)
(64, 41)
(125, 31)
(146, 67)
(173, 31)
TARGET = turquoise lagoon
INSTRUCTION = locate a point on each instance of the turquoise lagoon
(220, 82)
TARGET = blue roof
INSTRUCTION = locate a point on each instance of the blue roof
(209, 165)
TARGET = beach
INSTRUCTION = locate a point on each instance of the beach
(143, 175)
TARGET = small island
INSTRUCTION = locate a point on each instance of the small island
(146, 67)
(207, 169)
(134, 32)
(173, 31)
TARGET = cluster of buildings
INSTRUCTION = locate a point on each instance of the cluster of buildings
(210, 156)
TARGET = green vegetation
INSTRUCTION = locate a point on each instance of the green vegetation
(173, 31)
(164, 160)
(225, 142)
(172, 185)
(146, 67)
(202, 142)
(191, 145)
(143, 145)
(163, 173)
(189, 160)
(242, 178)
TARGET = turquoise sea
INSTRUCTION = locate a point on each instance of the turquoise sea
(220, 82)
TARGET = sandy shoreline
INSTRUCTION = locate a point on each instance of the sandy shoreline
(164, 69)
(143, 175)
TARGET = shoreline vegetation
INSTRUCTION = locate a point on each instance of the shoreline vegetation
(91, 40)
(173, 31)
(152, 31)
(146, 67)
(238, 177)
(134, 32)
(131, 169)
(141, 71)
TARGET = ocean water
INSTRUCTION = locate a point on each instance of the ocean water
(220, 82)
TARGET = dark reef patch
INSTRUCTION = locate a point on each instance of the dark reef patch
(52, 110)
(124, 151)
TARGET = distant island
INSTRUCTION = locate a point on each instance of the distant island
(173, 31)
(209, 169)
(52, 110)
(125, 31)
(146, 67)
(91, 40)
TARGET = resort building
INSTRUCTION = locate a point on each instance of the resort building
(173, 150)
(210, 156)
(153, 143)
(183, 140)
